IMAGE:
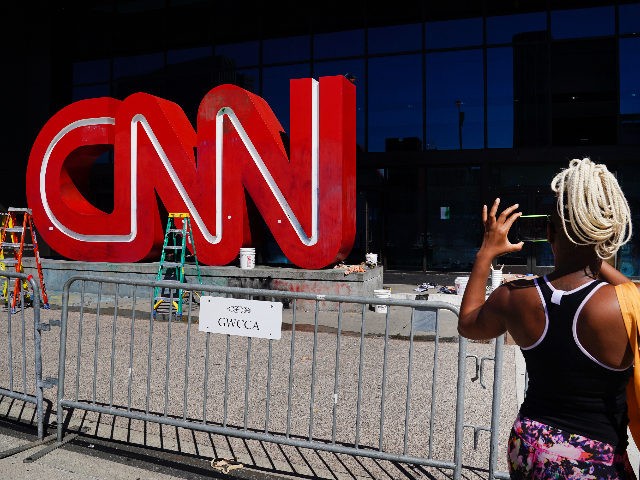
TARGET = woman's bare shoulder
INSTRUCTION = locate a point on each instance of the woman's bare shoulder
(603, 308)
(521, 283)
(515, 294)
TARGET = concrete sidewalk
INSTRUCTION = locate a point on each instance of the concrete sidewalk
(107, 457)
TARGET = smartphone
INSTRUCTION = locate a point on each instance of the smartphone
(530, 228)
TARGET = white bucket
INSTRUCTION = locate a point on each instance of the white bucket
(461, 284)
(382, 293)
(496, 278)
(247, 258)
(371, 258)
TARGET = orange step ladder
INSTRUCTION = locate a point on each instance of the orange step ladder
(13, 238)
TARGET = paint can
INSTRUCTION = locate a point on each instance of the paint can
(496, 278)
(461, 284)
(382, 293)
(247, 258)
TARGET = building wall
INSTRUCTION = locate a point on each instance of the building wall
(456, 102)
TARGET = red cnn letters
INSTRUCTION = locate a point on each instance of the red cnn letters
(306, 197)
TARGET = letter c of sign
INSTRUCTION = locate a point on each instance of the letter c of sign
(306, 198)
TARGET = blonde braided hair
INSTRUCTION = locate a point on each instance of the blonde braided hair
(593, 204)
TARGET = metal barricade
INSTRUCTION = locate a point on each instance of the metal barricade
(378, 385)
(21, 357)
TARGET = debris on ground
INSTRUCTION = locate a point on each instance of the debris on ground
(423, 287)
(360, 268)
(225, 465)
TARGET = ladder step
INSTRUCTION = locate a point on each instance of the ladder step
(175, 298)
(172, 264)
(15, 245)
(14, 228)
(175, 248)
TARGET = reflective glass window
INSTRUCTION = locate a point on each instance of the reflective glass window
(585, 22)
(397, 38)
(338, 44)
(186, 84)
(136, 65)
(500, 97)
(455, 110)
(629, 131)
(630, 75)
(454, 230)
(188, 77)
(288, 49)
(395, 103)
(188, 54)
(92, 71)
(503, 28)
(275, 88)
(628, 257)
(354, 69)
(629, 18)
(81, 92)
(247, 78)
(243, 54)
(454, 33)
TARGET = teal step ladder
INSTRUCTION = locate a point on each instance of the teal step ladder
(172, 261)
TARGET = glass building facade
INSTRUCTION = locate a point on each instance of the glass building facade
(456, 103)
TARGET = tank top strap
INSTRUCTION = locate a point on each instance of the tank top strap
(554, 296)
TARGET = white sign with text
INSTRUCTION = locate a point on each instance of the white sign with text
(246, 318)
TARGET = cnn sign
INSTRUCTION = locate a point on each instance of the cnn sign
(305, 193)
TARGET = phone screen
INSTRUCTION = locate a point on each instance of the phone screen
(530, 228)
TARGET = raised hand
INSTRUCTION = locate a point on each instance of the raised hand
(496, 229)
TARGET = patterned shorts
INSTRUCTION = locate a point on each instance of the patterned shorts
(539, 451)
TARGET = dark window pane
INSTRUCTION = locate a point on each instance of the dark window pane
(338, 44)
(454, 227)
(502, 29)
(628, 258)
(629, 18)
(289, 49)
(137, 65)
(630, 91)
(275, 88)
(399, 38)
(354, 68)
(584, 92)
(90, 91)
(500, 97)
(188, 54)
(247, 78)
(395, 103)
(92, 71)
(586, 22)
(530, 91)
(630, 75)
(454, 33)
(239, 54)
(187, 87)
(454, 77)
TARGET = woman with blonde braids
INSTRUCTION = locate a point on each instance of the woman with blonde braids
(569, 327)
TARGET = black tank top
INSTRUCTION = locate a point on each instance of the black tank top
(568, 388)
